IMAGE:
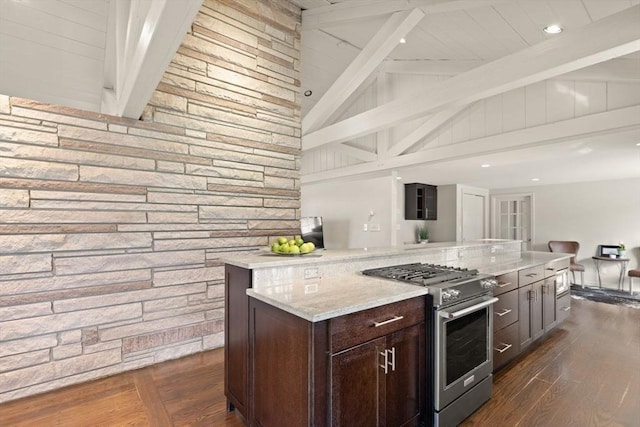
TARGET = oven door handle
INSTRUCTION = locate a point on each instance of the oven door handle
(464, 311)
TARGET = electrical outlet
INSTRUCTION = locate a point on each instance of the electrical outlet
(493, 249)
(365, 227)
(310, 273)
(493, 259)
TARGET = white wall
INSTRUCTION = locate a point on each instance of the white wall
(592, 213)
(346, 206)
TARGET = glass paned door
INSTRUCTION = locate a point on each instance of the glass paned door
(512, 218)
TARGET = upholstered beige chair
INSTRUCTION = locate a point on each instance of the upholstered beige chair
(569, 247)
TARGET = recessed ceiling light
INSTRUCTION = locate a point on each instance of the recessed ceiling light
(403, 40)
(535, 179)
(398, 178)
(308, 93)
(553, 29)
(486, 165)
(638, 144)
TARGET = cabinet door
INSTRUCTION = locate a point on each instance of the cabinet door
(358, 385)
(405, 377)
(525, 296)
(549, 313)
(236, 354)
(537, 322)
(505, 311)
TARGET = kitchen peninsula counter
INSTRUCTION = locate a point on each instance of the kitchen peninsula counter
(328, 283)
(333, 324)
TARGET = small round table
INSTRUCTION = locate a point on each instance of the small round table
(624, 262)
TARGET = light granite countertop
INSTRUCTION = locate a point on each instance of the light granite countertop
(324, 298)
(266, 259)
(321, 299)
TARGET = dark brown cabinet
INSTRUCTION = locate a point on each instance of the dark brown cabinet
(420, 201)
(505, 320)
(527, 309)
(378, 383)
(365, 368)
(236, 337)
(537, 302)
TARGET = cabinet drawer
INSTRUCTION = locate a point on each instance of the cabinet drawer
(505, 311)
(356, 328)
(530, 275)
(505, 345)
(506, 282)
(564, 307)
(552, 267)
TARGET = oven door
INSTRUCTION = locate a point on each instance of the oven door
(464, 349)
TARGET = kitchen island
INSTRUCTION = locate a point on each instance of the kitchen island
(300, 327)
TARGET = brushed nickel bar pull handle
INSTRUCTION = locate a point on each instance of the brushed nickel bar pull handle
(566, 308)
(502, 285)
(386, 322)
(460, 313)
(502, 313)
(531, 274)
(385, 364)
(393, 358)
(503, 349)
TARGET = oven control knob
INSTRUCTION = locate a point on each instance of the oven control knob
(454, 293)
(488, 283)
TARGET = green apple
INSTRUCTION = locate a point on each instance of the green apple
(292, 242)
(299, 241)
(282, 240)
(305, 248)
(284, 249)
(311, 245)
(294, 249)
(275, 247)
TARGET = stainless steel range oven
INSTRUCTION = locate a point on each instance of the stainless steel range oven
(461, 363)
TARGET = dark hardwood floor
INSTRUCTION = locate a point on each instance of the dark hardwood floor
(587, 373)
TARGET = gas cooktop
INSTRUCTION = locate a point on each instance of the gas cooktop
(422, 274)
(446, 284)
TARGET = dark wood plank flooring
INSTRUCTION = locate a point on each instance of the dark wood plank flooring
(587, 373)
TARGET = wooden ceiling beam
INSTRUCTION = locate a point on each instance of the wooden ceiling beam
(379, 47)
(147, 36)
(614, 36)
(573, 129)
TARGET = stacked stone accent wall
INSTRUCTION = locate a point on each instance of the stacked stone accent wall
(112, 229)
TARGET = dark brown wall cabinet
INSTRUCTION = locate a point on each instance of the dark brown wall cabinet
(420, 201)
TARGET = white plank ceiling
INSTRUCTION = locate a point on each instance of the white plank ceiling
(99, 55)
(425, 109)
(477, 81)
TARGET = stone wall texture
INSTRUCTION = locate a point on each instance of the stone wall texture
(111, 229)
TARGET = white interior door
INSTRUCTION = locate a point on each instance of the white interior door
(512, 218)
(473, 216)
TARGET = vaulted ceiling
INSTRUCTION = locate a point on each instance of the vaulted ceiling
(467, 87)
(469, 61)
